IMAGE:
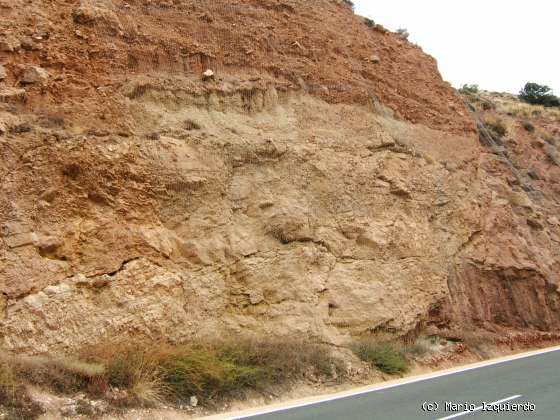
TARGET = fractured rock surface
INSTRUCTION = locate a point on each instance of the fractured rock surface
(296, 192)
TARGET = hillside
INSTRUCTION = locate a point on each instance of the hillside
(514, 256)
(321, 182)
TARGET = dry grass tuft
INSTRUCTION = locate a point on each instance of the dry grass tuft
(7, 382)
(149, 387)
(15, 402)
(130, 366)
(516, 108)
(497, 126)
(63, 375)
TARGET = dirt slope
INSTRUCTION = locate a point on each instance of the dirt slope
(318, 46)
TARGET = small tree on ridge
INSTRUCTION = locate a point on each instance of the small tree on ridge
(536, 94)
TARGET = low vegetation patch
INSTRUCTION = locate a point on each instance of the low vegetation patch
(212, 370)
(62, 375)
(15, 402)
(7, 384)
(369, 22)
(418, 349)
(496, 126)
(475, 97)
(388, 356)
(469, 90)
(380, 28)
(157, 373)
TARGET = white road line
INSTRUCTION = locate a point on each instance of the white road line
(289, 405)
(464, 413)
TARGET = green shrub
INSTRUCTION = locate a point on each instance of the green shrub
(203, 372)
(469, 89)
(385, 355)
(349, 3)
(283, 359)
(536, 94)
(380, 28)
(403, 33)
(369, 22)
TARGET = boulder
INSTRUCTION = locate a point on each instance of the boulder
(29, 44)
(101, 17)
(35, 74)
(9, 43)
(13, 95)
(208, 75)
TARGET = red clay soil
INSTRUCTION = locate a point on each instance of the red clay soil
(320, 46)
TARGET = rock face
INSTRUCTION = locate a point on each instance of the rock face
(508, 272)
(290, 220)
(285, 197)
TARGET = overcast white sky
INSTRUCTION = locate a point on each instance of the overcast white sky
(497, 44)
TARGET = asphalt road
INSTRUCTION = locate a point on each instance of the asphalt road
(534, 380)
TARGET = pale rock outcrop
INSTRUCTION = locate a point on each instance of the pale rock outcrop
(290, 221)
(35, 74)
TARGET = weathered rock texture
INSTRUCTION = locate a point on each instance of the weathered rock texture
(303, 190)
